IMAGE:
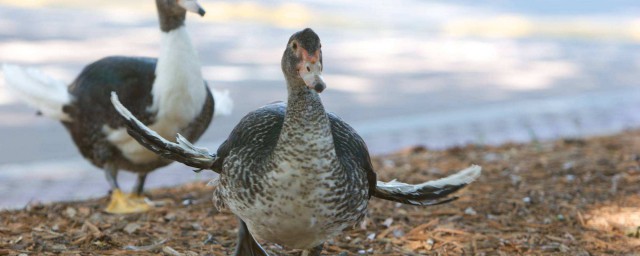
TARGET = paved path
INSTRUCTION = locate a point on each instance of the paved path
(412, 72)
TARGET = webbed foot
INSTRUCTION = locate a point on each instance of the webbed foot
(122, 203)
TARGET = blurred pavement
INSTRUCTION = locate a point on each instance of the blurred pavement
(403, 73)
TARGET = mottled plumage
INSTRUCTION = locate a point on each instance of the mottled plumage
(294, 174)
(289, 173)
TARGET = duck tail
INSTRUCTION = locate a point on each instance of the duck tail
(427, 193)
(223, 102)
(38, 90)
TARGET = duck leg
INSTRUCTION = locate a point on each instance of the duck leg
(112, 176)
(138, 189)
(315, 251)
(119, 202)
(137, 195)
(247, 245)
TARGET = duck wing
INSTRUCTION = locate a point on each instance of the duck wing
(183, 151)
(354, 155)
(352, 151)
(428, 193)
(256, 134)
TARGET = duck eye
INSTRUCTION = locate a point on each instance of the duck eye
(294, 46)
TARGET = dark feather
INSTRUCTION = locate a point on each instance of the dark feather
(258, 131)
(351, 149)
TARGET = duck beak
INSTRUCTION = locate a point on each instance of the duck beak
(192, 6)
(311, 71)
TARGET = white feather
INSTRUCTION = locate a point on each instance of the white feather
(223, 102)
(188, 146)
(465, 176)
(178, 90)
(38, 90)
(201, 154)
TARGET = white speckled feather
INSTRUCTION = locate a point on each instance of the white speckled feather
(465, 176)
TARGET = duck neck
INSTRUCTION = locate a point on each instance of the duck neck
(306, 126)
(178, 89)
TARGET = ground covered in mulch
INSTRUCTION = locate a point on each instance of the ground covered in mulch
(565, 197)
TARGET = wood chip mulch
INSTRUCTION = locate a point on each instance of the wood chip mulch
(565, 197)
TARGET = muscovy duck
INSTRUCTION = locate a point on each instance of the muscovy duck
(168, 94)
(294, 174)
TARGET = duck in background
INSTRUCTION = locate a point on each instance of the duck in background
(168, 94)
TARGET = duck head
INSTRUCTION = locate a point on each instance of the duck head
(190, 6)
(179, 7)
(302, 61)
(172, 12)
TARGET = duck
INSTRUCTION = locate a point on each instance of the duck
(292, 173)
(167, 93)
